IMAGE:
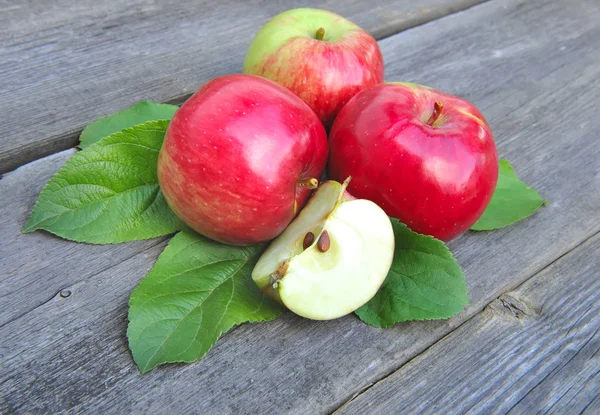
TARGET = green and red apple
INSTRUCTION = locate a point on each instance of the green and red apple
(320, 56)
(426, 157)
(332, 258)
(240, 158)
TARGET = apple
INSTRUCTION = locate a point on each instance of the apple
(426, 157)
(320, 56)
(240, 158)
(332, 258)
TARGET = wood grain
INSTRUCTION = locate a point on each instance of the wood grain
(70, 354)
(36, 266)
(533, 350)
(65, 65)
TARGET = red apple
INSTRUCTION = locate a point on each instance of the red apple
(427, 158)
(320, 56)
(239, 159)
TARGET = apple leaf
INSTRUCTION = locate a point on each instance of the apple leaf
(424, 283)
(512, 201)
(108, 193)
(197, 290)
(137, 114)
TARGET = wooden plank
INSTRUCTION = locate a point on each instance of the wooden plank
(71, 354)
(35, 267)
(533, 350)
(65, 65)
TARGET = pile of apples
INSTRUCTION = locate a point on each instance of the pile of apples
(243, 155)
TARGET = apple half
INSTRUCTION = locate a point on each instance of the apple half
(332, 258)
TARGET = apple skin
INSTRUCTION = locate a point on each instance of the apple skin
(234, 156)
(437, 179)
(333, 257)
(324, 73)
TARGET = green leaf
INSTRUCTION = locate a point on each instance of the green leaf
(197, 290)
(108, 193)
(137, 114)
(512, 201)
(424, 283)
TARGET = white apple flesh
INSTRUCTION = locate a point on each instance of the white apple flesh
(339, 269)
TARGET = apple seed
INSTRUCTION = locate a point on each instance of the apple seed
(309, 238)
(323, 243)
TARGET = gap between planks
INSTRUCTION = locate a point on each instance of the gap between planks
(501, 298)
(544, 145)
(12, 158)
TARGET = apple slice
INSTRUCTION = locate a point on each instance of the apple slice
(332, 258)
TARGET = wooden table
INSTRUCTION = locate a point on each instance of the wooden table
(528, 342)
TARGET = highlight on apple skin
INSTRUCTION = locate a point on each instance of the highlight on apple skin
(332, 258)
(320, 56)
(240, 158)
(426, 157)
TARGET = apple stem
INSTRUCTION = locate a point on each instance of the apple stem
(437, 110)
(311, 183)
(320, 33)
(324, 242)
(343, 191)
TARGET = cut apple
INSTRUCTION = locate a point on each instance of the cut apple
(332, 258)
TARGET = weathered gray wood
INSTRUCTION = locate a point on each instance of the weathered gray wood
(35, 267)
(71, 354)
(64, 65)
(533, 350)
(26, 26)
